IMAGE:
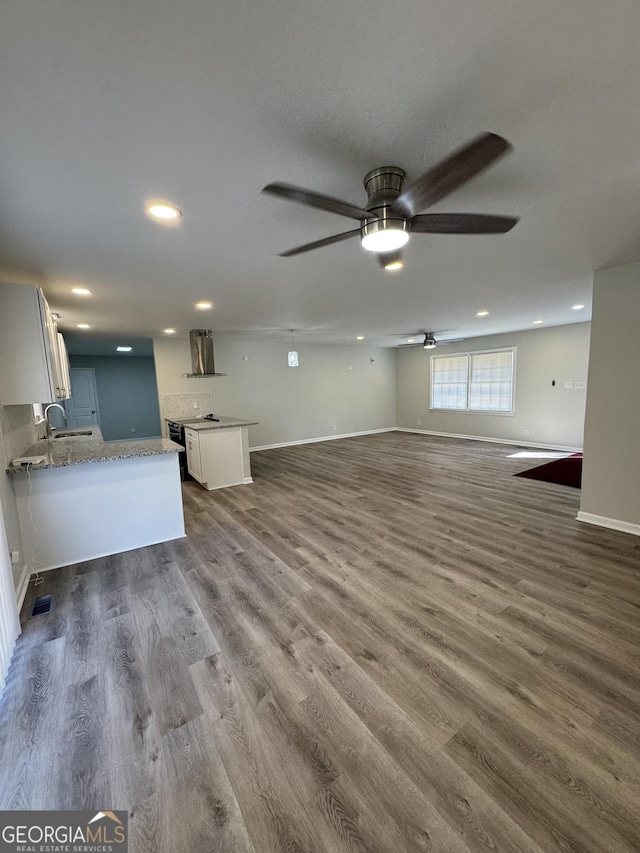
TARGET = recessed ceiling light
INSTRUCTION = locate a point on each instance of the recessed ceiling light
(203, 306)
(393, 266)
(577, 307)
(124, 349)
(482, 313)
(169, 331)
(80, 291)
(83, 326)
(537, 322)
(359, 337)
(164, 211)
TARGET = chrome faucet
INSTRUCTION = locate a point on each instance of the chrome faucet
(50, 428)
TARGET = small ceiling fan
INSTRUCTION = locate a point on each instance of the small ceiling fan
(429, 341)
(392, 211)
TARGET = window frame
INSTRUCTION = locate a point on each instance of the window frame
(468, 355)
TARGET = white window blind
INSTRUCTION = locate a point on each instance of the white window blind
(491, 385)
(473, 382)
(449, 383)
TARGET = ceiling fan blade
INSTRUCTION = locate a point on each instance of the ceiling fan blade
(450, 174)
(314, 199)
(462, 223)
(318, 244)
(420, 332)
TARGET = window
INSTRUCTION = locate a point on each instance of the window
(473, 382)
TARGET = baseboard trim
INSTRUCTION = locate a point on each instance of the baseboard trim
(42, 569)
(21, 591)
(513, 442)
(611, 523)
(320, 438)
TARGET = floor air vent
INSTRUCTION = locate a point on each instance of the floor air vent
(42, 604)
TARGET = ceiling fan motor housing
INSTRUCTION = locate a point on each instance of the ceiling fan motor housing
(383, 186)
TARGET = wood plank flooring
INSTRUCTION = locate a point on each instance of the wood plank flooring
(386, 644)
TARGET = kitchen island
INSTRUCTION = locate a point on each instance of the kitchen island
(89, 498)
(218, 450)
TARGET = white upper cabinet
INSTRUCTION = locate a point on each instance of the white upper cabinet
(64, 375)
(33, 360)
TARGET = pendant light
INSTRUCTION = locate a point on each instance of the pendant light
(292, 355)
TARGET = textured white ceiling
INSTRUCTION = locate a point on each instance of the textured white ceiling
(105, 105)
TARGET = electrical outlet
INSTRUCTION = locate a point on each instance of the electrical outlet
(419, 422)
(15, 557)
(334, 427)
(526, 432)
(195, 405)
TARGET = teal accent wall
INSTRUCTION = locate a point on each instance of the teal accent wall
(127, 395)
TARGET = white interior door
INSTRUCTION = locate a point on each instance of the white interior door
(82, 406)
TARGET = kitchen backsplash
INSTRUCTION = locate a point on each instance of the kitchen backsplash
(17, 430)
(180, 406)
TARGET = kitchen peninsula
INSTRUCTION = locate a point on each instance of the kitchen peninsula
(89, 498)
(218, 450)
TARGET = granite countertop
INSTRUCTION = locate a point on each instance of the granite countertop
(78, 449)
(183, 421)
(201, 424)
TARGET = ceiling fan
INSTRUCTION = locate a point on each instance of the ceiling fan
(429, 341)
(392, 211)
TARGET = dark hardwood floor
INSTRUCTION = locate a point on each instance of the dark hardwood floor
(387, 643)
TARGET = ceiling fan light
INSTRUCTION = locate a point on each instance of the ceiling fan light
(387, 240)
(385, 234)
(429, 341)
(391, 266)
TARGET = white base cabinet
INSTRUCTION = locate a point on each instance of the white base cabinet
(217, 458)
(194, 465)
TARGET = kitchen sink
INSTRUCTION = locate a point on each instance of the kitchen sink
(73, 434)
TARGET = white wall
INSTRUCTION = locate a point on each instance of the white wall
(554, 416)
(336, 389)
(173, 359)
(17, 434)
(611, 472)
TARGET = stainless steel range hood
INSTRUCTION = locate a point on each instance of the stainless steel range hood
(202, 361)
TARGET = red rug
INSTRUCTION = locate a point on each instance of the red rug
(566, 471)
